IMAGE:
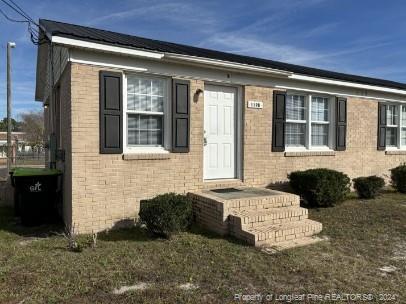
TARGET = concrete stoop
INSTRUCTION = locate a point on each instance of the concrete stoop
(260, 217)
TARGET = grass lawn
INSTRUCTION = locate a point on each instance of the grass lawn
(364, 236)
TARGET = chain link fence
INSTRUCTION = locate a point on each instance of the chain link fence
(21, 157)
(28, 159)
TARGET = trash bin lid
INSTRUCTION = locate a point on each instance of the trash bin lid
(35, 172)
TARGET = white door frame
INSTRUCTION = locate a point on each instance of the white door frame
(238, 128)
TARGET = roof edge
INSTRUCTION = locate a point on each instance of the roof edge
(225, 64)
(105, 37)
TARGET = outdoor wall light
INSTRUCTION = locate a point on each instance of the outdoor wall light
(197, 95)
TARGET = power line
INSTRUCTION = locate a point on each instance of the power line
(11, 19)
(14, 6)
(14, 9)
(33, 31)
(24, 13)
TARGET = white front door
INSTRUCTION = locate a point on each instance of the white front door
(219, 132)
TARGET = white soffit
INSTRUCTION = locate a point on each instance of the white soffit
(329, 92)
(105, 48)
(226, 64)
(347, 84)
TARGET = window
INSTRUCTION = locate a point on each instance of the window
(403, 127)
(295, 121)
(395, 126)
(320, 121)
(146, 98)
(391, 125)
(308, 122)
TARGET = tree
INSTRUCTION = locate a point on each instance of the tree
(33, 126)
(16, 126)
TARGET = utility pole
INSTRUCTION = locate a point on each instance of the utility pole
(10, 45)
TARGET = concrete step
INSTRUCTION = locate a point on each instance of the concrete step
(271, 216)
(275, 199)
(268, 235)
(259, 216)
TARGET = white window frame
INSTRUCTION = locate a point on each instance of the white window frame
(402, 147)
(398, 126)
(298, 121)
(308, 115)
(166, 123)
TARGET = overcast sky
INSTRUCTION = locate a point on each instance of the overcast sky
(366, 37)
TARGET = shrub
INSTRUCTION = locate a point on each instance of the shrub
(166, 214)
(368, 187)
(398, 177)
(320, 187)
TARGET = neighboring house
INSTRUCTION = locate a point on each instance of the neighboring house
(138, 117)
(17, 141)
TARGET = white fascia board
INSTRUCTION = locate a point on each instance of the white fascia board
(156, 55)
(347, 84)
(105, 48)
(300, 89)
(104, 64)
(290, 75)
(225, 64)
(217, 63)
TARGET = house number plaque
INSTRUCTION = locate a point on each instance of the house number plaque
(255, 104)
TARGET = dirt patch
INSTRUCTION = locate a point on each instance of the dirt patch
(269, 250)
(27, 241)
(125, 289)
(188, 286)
(388, 269)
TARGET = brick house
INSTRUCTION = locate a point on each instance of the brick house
(137, 117)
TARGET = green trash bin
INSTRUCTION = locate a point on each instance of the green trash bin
(36, 195)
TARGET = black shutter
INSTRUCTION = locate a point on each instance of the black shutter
(278, 121)
(381, 126)
(111, 113)
(341, 123)
(180, 115)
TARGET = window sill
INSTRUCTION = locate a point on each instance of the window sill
(309, 153)
(146, 156)
(395, 152)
